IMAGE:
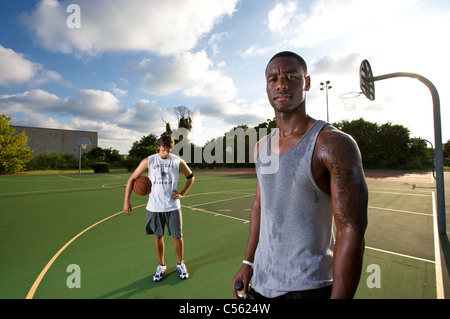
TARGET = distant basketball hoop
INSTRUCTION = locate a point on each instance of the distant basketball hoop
(350, 99)
(82, 143)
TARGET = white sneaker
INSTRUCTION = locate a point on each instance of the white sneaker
(182, 271)
(160, 271)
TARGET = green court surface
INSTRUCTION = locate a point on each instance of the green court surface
(49, 223)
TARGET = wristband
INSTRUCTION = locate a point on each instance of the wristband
(247, 263)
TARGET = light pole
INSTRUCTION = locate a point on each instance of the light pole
(326, 86)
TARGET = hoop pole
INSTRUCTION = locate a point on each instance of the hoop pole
(439, 153)
(79, 161)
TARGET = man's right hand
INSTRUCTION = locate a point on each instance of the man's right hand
(245, 275)
(127, 208)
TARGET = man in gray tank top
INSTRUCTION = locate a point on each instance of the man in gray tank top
(308, 172)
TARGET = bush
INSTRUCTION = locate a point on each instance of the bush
(101, 167)
(52, 161)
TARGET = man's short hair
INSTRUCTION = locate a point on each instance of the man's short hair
(291, 55)
(166, 141)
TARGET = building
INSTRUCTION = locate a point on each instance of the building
(55, 140)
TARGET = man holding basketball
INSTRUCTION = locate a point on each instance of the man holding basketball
(164, 201)
(291, 251)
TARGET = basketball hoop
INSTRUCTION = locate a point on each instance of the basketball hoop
(350, 99)
(82, 143)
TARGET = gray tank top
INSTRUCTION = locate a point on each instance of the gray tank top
(295, 249)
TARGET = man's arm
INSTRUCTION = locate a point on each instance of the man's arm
(186, 171)
(143, 166)
(340, 155)
(246, 271)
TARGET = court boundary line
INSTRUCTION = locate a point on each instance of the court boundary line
(51, 191)
(400, 211)
(222, 200)
(440, 294)
(406, 194)
(400, 255)
(215, 214)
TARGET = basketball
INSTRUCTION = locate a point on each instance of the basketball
(142, 186)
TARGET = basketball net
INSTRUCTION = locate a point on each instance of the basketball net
(350, 99)
(83, 146)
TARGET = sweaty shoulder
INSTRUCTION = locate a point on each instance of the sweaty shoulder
(335, 152)
(335, 148)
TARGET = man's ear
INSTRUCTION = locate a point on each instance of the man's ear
(307, 83)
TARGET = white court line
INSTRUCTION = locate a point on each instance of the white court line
(400, 211)
(215, 214)
(406, 194)
(72, 179)
(437, 255)
(401, 255)
(221, 200)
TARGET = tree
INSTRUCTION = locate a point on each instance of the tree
(365, 135)
(393, 141)
(383, 146)
(147, 146)
(447, 153)
(184, 117)
(168, 129)
(103, 154)
(14, 152)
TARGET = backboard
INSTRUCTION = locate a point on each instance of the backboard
(365, 76)
(83, 141)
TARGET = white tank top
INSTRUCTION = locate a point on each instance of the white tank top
(163, 174)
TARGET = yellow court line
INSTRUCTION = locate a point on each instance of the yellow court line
(50, 263)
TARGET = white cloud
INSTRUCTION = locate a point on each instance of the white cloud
(162, 27)
(91, 110)
(255, 51)
(284, 16)
(329, 19)
(34, 101)
(191, 73)
(89, 104)
(118, 92)
(16, 69)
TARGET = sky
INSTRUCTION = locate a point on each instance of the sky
(120, 67)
